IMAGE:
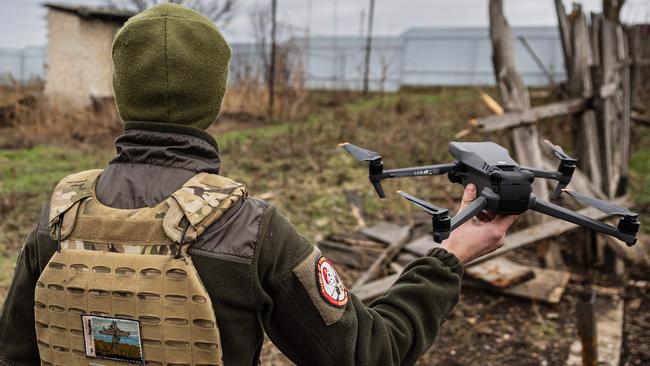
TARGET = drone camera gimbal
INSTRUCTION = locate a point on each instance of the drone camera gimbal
(503, 186)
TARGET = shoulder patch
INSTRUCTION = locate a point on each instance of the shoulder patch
(330, 285)
(323, 285)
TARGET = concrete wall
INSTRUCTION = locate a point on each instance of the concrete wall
(79, 58)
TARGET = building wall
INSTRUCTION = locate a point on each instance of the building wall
(79, 58)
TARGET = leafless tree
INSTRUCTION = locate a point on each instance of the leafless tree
(260, 18)
(219, 11)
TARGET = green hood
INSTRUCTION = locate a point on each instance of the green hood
(170, 65)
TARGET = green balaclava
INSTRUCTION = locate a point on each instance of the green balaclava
(170, 68)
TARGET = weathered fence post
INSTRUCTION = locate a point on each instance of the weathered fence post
(586, 325)
(514, 97)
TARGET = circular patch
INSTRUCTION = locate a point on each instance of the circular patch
(330, 286)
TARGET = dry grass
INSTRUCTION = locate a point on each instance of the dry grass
(28, 119)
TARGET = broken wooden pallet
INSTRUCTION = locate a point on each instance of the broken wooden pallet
(547, 285)
(500, 272)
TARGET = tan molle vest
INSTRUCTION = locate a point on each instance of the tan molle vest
(121, 288)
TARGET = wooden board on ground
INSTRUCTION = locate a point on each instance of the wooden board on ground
(387, 232)
(405, 258)
(609, 325)
(420, 246)
(371, 290)
(548, 286)
(500, 272)
(348, 255)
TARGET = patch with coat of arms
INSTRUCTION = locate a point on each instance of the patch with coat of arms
(112, 338)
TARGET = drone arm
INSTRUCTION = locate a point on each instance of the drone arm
(546, 174)
(470, 211)
(581, 220)
(563, 176)
(418, 171)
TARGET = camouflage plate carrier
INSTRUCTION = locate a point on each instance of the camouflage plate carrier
(121, 287)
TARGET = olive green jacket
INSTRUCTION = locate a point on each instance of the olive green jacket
(256, 268)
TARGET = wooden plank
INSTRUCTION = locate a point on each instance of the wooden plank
(404, 259)
(515, 98)
(545, 230)
(638, 118)
(376, 288)
(609, 325)
(530, 116)
(580, 85)
(500, 272)
(420, 246)
(348, 255)
(608, 90)
(625, 108)
(396, 236)
(564, 32)
(548, 286)
(387, 232)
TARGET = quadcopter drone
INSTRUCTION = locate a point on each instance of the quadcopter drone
(503, 187)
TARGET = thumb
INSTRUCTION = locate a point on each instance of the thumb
(468, 196)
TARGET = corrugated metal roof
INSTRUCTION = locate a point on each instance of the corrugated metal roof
(98, 12)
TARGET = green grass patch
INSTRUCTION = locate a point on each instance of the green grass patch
(37, 169)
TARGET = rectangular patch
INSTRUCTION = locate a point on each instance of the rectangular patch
(308, 271)
(112, 338)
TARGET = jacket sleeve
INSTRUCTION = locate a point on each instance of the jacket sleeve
(17, 333)
(396, 329)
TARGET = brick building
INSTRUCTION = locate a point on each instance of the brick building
(79, 64)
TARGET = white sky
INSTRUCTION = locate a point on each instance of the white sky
(22, 22)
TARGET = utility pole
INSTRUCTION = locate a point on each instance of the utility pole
(274, 11)
(366, 69)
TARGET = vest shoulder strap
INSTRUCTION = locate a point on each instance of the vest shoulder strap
(201, 201)
(68, 193)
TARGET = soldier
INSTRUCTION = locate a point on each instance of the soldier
(259, 274)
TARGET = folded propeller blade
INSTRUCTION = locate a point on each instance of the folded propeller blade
(429, 208)
(557, 151)
(360, 153)
(604, 206)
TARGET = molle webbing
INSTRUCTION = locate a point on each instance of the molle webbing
(177, 321)
(130, 264)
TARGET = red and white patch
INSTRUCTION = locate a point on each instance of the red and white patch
(330, 286)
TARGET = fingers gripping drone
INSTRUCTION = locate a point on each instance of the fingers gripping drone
(503, 187)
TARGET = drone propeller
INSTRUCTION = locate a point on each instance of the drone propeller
(376, 165)
(606, 207)
(360, 153)
(557, 150)
(440, 219)
(566, 168)
(429, 208)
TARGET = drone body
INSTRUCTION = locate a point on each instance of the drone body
(491, 169)
(503, 186)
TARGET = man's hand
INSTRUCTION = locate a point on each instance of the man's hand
(480, 235)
